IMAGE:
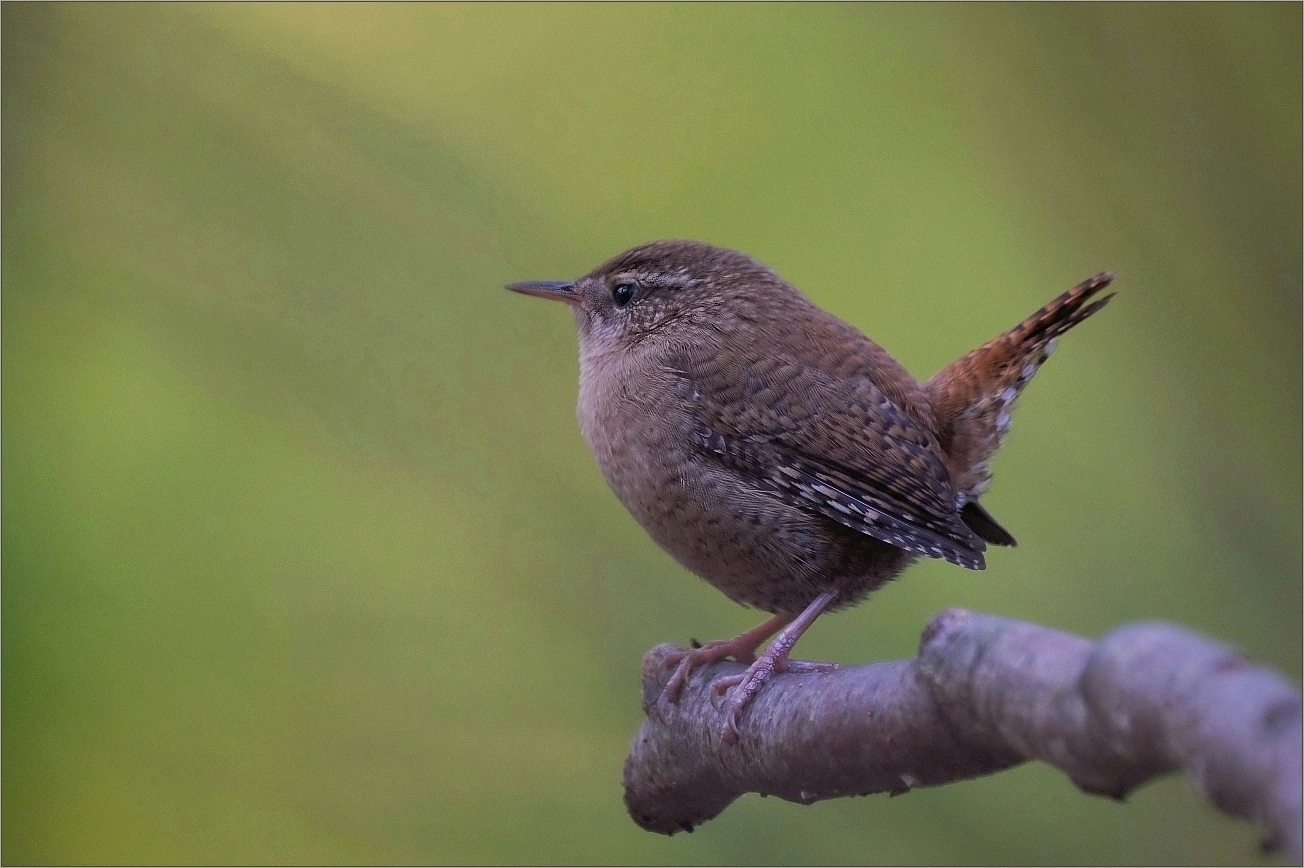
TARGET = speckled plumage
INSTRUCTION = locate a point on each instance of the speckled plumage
(773, 449)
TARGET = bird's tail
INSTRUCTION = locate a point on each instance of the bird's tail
(973, 396)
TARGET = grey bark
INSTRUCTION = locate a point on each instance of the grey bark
(984, 694)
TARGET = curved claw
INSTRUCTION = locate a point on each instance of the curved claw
(721, 686)
(729, 732)
(670, 693)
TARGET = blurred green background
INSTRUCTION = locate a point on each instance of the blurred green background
(304, 557)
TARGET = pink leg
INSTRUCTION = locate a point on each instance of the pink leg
(741, 648)
(775, 659)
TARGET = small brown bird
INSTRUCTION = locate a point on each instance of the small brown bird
(776, 451)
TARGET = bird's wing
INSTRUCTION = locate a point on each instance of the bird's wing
(834, 445)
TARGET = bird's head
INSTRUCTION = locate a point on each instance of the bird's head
(676, 288)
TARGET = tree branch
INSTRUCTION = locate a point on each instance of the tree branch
(984, 694)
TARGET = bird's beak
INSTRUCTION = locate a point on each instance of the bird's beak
(554, 289)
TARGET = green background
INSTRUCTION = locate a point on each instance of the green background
(304, 557)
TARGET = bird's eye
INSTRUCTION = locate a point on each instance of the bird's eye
(623, 293)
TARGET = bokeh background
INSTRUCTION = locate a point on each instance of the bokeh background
(304, 557)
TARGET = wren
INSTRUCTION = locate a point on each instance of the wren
(777, 452)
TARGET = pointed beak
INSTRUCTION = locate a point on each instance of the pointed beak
(554, 289)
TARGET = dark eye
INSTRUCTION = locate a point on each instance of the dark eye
(623, 293)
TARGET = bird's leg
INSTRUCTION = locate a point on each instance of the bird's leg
(741, 648)
(775, 659)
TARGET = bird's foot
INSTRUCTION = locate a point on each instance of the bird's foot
(750, 682)
(741, 648)
(775, 659)
(712, 652)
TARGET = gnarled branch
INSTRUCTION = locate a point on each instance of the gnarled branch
(984, 694)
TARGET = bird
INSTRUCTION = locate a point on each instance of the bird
(776, 451)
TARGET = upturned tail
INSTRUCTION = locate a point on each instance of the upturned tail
(973, 396)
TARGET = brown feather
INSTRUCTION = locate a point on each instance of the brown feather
(972, 398)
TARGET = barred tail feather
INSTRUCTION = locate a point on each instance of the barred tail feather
(974, 396)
